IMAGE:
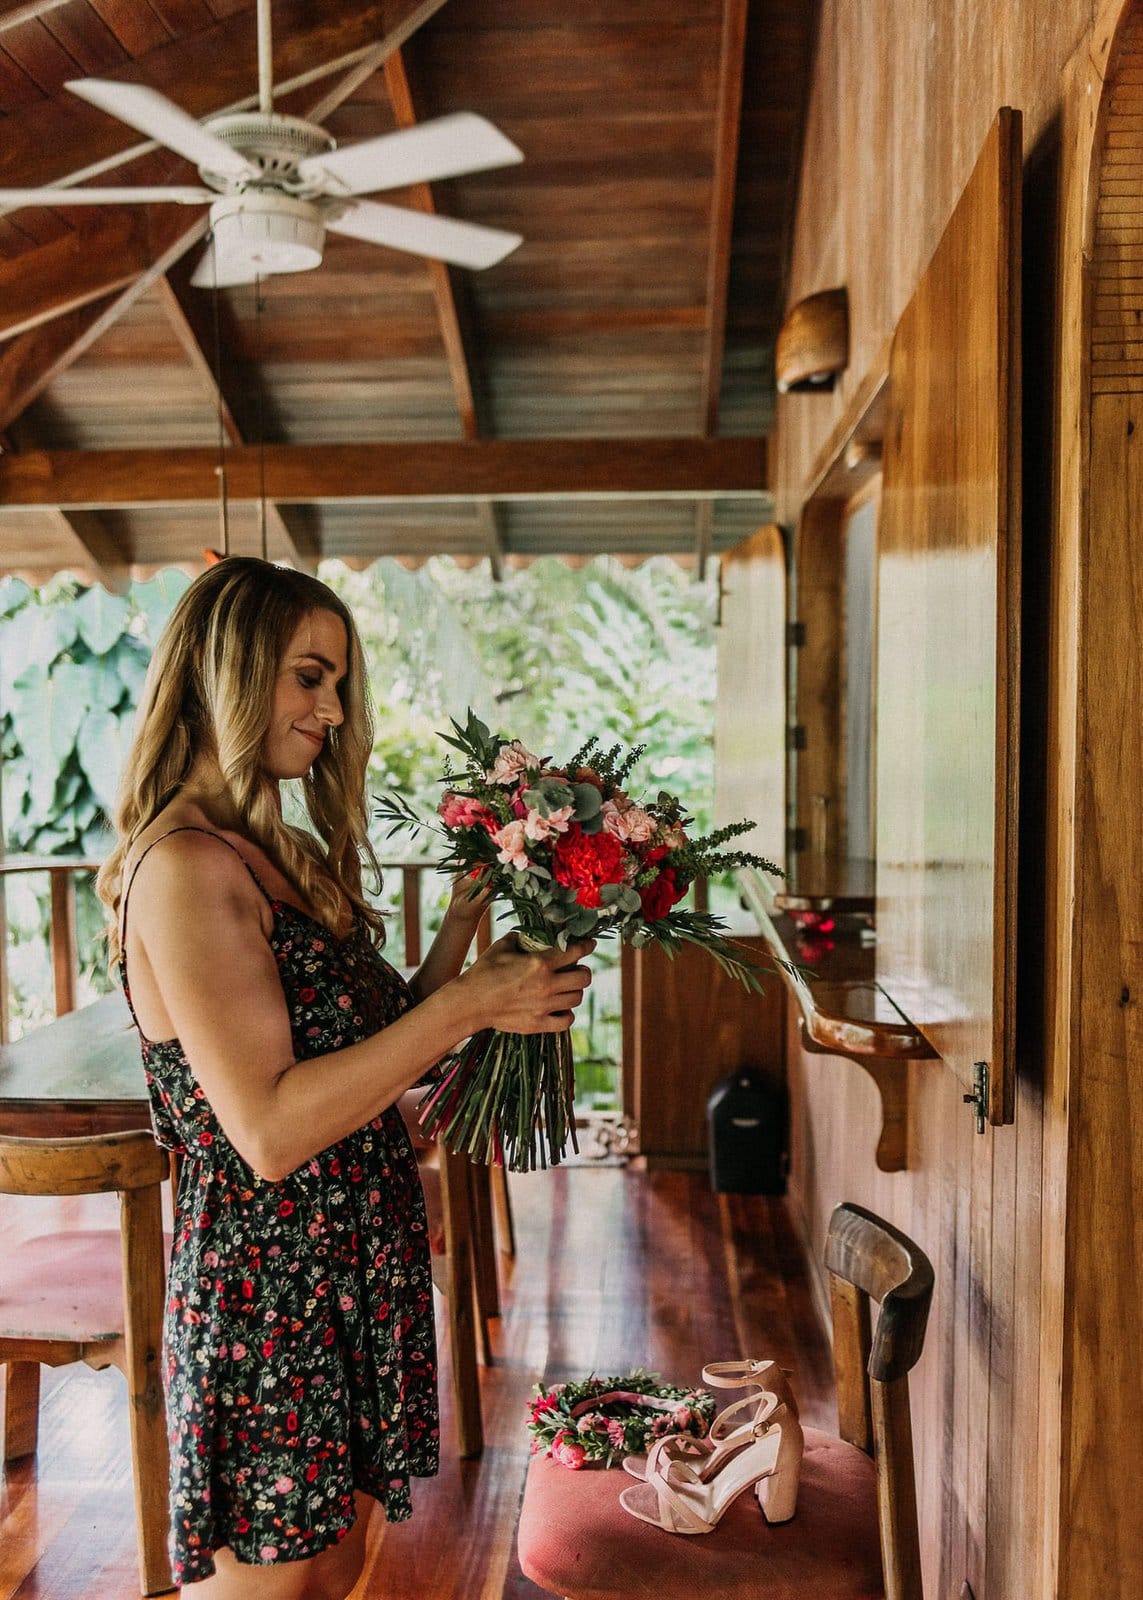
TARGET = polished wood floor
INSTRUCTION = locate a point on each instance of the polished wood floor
(615, 1268)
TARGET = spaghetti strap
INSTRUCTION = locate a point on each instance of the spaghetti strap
(186, 827)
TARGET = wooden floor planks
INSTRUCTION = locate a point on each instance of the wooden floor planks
(615, 1268)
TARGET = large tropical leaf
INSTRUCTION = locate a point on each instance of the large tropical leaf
(48, 708)
(14, 593)
(157, 598)
(102, 618)
(31, 640)
(103, 740)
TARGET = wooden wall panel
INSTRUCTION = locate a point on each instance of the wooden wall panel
(689, 1026)
(902, 98)
(1097, 1098)
(750, 729)
(948, 606)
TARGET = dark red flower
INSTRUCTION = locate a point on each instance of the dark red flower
(658, 897)
(584, 861)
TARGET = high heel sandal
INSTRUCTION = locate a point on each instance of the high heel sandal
(733, 1427)
(677, 1499)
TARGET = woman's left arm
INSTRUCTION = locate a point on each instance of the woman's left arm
(454, 938)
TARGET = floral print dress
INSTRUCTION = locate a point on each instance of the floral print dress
(299, 1348)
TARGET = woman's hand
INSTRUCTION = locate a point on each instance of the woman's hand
(517, 991)
(468, 906)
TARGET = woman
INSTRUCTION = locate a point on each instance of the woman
(299, 1346)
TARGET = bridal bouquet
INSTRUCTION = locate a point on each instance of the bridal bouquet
(576, 856)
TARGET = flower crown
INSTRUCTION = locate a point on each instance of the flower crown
(605, 1419)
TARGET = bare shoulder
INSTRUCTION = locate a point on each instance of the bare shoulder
(180, 862)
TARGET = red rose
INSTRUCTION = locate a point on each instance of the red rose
(286, 1208)
(583, 861)
(658, 897)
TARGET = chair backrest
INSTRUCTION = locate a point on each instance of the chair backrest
(870, 1260)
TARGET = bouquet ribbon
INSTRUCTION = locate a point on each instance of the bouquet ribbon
(614, 1396)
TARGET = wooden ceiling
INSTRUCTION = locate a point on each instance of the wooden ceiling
(607, 388)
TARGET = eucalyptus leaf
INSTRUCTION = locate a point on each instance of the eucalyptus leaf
(588, 801)
(102, 618)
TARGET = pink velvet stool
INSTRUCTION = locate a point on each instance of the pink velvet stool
(855, 1534)
(577, 1541)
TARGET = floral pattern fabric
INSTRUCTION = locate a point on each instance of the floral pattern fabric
(299, 1347)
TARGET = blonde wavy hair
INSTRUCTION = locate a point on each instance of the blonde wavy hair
(208, 691)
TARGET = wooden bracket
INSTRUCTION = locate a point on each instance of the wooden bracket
(892, 1079)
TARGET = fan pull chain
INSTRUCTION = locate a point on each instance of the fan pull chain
(223, 507)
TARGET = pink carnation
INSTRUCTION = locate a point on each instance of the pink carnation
(539, 827)
(627, 821)
(510, 845)
(462, 811)
(511, 763)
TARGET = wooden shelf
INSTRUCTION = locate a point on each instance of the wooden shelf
(846, 1012)
(844, 885)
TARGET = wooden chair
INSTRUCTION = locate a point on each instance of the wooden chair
(854, 1536)
(92, 1295)
(459, 1198)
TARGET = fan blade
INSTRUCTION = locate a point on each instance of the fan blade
(465, 244)
(214, 271)
(443, 148)
(12, 199)
(159, 118)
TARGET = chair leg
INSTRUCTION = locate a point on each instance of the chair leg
(505, 1227)
(143, 1371)
(461, 1299)
(483, 1241)
(21, 1409)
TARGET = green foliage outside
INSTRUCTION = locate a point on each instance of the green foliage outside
(551, 656)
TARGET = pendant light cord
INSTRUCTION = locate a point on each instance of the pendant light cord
(259, 308)
(223, 506)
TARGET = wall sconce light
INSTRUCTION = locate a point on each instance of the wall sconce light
(813, 343)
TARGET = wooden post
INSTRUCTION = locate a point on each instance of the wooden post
(411, 908)
(64, 966)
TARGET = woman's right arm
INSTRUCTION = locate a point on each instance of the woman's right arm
(200, 927)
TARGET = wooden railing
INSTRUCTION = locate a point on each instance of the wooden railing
(63, 871)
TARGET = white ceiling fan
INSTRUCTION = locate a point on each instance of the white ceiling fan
(276, 183)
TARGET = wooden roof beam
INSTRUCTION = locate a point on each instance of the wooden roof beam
(444, 291)
(123, 255)
(398, 35)
(13, 15)
(728, 119)
(95, 546)
(485, 469)
(30, 362)
(212, 70)
(188, 314)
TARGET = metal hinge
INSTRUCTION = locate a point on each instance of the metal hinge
(795, 635)
(979, 1096)
(795, 840)
(796, 736)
